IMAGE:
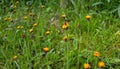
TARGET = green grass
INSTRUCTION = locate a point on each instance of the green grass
(100, 34)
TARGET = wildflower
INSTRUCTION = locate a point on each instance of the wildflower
(14, 11)
(87, 66)
(65, 38)
(119, 33)
(47, 32)
(17, 2)
(22, 27)
(18, 27)
(88, 17)
(25, 17)
(31, 30)
(22, 35)
(15, 57)
(5, 19)
(35, 24)
(42, 6)
(101, 64)
(10, 19)
(65, 25)
(46, 49)
(96, 54)
(31, 14)
(63, 16)
(14, 6)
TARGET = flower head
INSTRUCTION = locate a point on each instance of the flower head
(45, 49)
(96, 54)
(31, 30)
(65, 25)
(10, 19)
(119, 33)
(63, 16)
(87, 66)
(65, 38)
(5, 19)
(31, 14)
(20, 27)
(15, 57)
(47, 32)
(25, 17)
(101, 64)
(43, 6)
(88, 17)
(35, 24)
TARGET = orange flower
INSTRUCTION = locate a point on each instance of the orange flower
(15, 57)
(63, 16)
(65, 25)
(96, 54)
(47, 32)
(101, 64)
(87, 66)
(88, 17)
(46, 49)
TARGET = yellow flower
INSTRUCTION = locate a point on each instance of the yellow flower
(96, 54)
(25, 17)
(46, 49)
(5, 19)
(119, 33)
(18, 27)
(31, 30)
(15, 57)
(42, 6)
(88, 17)
(17, 2)
(87, 66)
(31, 14)
(14, 6)
(35, 24)
(63, 16)
(101, 64)
(22, 27)
(64, 38)
(65, 25)
(47, 32)
(10, 19)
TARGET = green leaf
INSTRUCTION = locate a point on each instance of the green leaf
(108, 1)
(119, 11)
(97, 3)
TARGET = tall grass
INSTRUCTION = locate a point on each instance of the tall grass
(22, 42)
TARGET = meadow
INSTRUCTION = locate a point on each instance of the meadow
(59, 34)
